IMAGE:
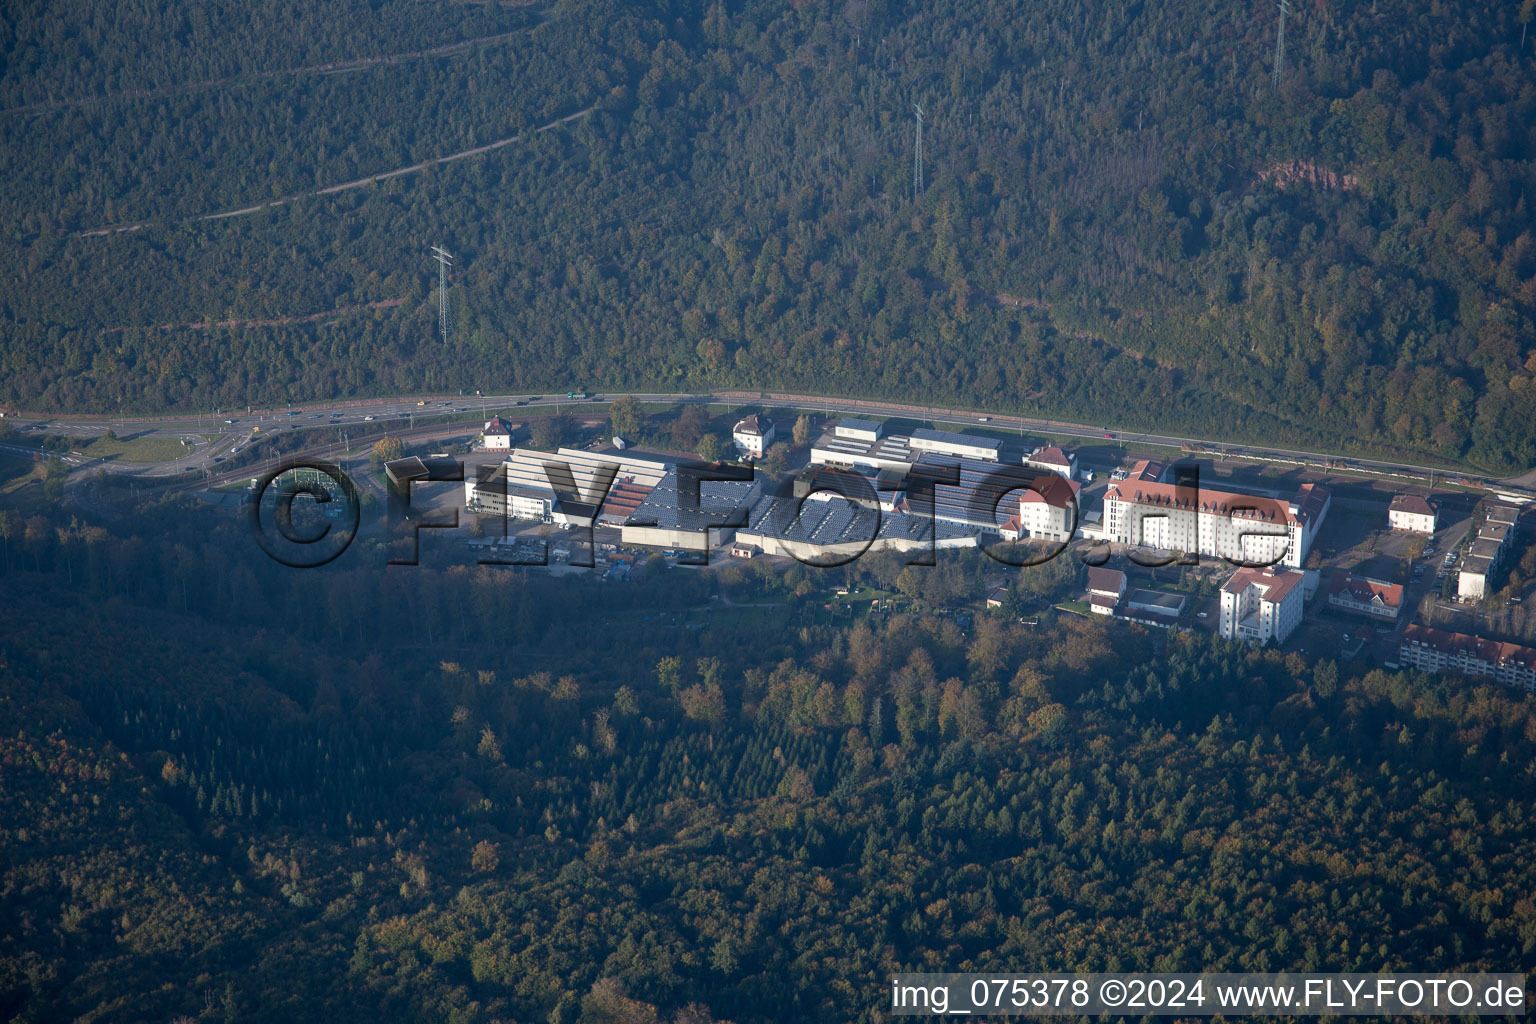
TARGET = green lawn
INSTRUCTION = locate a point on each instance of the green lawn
(20, 490)
(140, 449)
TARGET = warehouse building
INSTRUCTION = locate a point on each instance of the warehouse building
(858, 430)
(671, 519)
(966, 446)
(813, 531)
(835, 449)
(569, 487)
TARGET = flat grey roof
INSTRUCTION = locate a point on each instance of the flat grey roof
(1484, 549)
(1155, 600)
(947, 437)
(853, 424)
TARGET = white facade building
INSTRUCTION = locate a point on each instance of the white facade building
(966, 446)
(1047, 512)
(1105, 588)
(1412, 512)
(753, 435)
(497, 434)
(1143, 512)
(1053, 460)
(858, 430)
(1259, 605)
(1434, 650)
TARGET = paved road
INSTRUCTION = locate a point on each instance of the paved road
(241, 428)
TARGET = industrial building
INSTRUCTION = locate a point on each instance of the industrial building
(966, 446)
(668, 518)
(858, 430)
(561, 487)
(817, 530)
(852, 448)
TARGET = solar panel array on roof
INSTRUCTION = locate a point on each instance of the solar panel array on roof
(987, 494)
(664, 507)
(836, 522)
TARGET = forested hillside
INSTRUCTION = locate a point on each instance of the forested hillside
(240, 792)
(1123, 218)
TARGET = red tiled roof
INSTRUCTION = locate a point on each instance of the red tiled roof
(1102, 600)
(1494, 652)
(1052, 456)
(1240, 506)
(497, 425)
(1364, 590)
(1053, 490)
(1276, 584)
(1414, 504)
(1310, 501)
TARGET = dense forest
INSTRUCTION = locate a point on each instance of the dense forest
(234, 791)
(1123, 218)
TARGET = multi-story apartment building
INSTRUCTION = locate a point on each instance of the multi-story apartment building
(1435, 650)
(1259, 605)
(1144, 511)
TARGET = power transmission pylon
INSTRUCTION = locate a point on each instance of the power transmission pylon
(444, 314)
(1285, 8)
(917, 154)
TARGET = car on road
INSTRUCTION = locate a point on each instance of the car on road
(370, 417)
(402, 415)
(218, 458)
(294, 413)
(314, 415)
(335, 415)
